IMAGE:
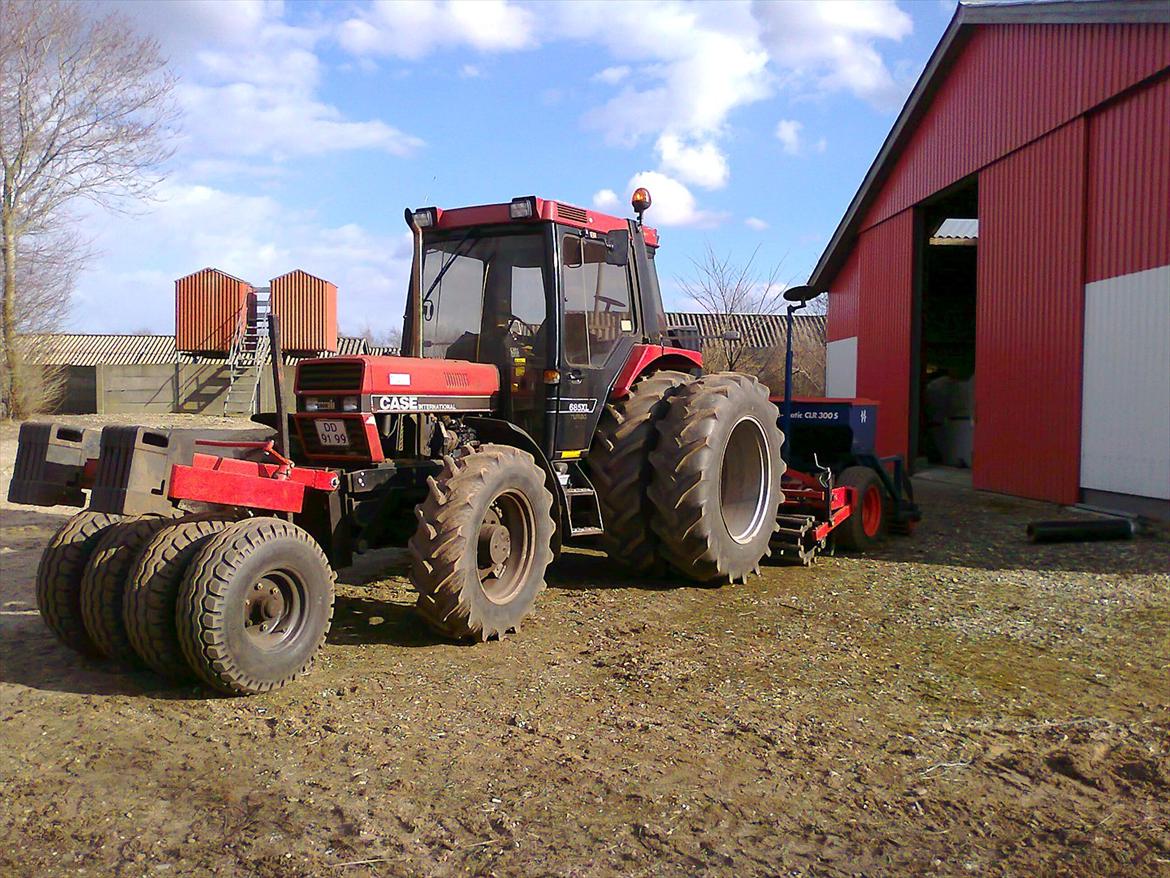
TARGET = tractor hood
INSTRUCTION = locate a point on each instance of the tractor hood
(400, 384)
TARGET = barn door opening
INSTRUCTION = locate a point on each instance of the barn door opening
(942, 392)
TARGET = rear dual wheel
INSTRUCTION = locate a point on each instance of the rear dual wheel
(619, 467)
(716, 478)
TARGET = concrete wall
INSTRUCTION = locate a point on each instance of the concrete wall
(125, 389)
(80, 391)
(159, 389)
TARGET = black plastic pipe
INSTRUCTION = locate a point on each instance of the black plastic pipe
(1080, 530)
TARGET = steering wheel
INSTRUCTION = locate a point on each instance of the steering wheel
(608, 302)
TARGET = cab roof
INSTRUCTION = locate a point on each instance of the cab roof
(547, 210)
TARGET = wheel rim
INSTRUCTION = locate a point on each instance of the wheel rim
(504, 546)
(871, 511)
(745, 480)
(274, 609)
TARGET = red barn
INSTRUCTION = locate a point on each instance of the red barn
(1010, 245)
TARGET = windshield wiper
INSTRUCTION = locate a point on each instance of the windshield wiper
(459, 251)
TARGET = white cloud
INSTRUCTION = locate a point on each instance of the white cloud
(412, 30)
(469, 71)
(695, 64)
(673, 204)
(788, 133)
(702, 164)
(755, 223)
(250, 82)
(829, 45)
(606, 199)
(612, 75)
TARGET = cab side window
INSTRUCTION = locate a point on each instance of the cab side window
(597, 301)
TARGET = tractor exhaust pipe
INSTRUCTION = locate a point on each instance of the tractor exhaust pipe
(414, 305)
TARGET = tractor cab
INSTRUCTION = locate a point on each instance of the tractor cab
(554, 296)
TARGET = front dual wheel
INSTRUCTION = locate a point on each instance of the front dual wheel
(483, 543)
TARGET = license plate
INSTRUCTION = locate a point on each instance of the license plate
(331, 434)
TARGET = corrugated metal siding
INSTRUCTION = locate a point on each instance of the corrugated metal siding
(82, 349)
(756, 330)
(844, 296)
(883, 347)
(1011, 84)
(1125, 425)
(1030, 317)
(307, 308)
(1129, 184)
(208, 305)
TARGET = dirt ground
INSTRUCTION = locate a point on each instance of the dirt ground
(957, 703)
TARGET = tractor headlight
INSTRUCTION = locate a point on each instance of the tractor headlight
(349, 403)
(425, 218)
(311, 405)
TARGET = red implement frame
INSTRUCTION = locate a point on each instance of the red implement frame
(804, 494)
(274, 487)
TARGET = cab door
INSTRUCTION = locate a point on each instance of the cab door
(599, 327)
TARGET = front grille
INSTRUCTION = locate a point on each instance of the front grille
(330, 376)
(568, 212)
(355, 431)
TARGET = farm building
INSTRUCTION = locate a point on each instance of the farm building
(1001, 279)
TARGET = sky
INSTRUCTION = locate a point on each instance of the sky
(308, 127)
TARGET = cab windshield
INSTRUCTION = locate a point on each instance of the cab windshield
(483, 296)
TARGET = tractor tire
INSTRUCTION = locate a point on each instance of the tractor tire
(619, 467)
(869, 523)
(483, 543)
(104, 582)
(59, 577)
(254, 607)
(152, 591)
(716, 481)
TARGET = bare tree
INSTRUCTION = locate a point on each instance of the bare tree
(722, 286)
(385, 338)
(85, 110)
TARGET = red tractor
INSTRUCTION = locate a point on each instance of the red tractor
(542, 399)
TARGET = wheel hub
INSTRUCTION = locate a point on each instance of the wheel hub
(495, 545)
(271, 609)
(503, 545)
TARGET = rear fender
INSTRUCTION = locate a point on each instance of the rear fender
(647, 358)
(506, 433)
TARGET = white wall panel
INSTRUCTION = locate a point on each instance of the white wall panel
(1125, 417)
(841, 368)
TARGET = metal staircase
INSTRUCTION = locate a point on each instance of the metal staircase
(248, 356)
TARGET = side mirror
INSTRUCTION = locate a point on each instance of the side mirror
(801, 294)
(617, 247)
(732, 335)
